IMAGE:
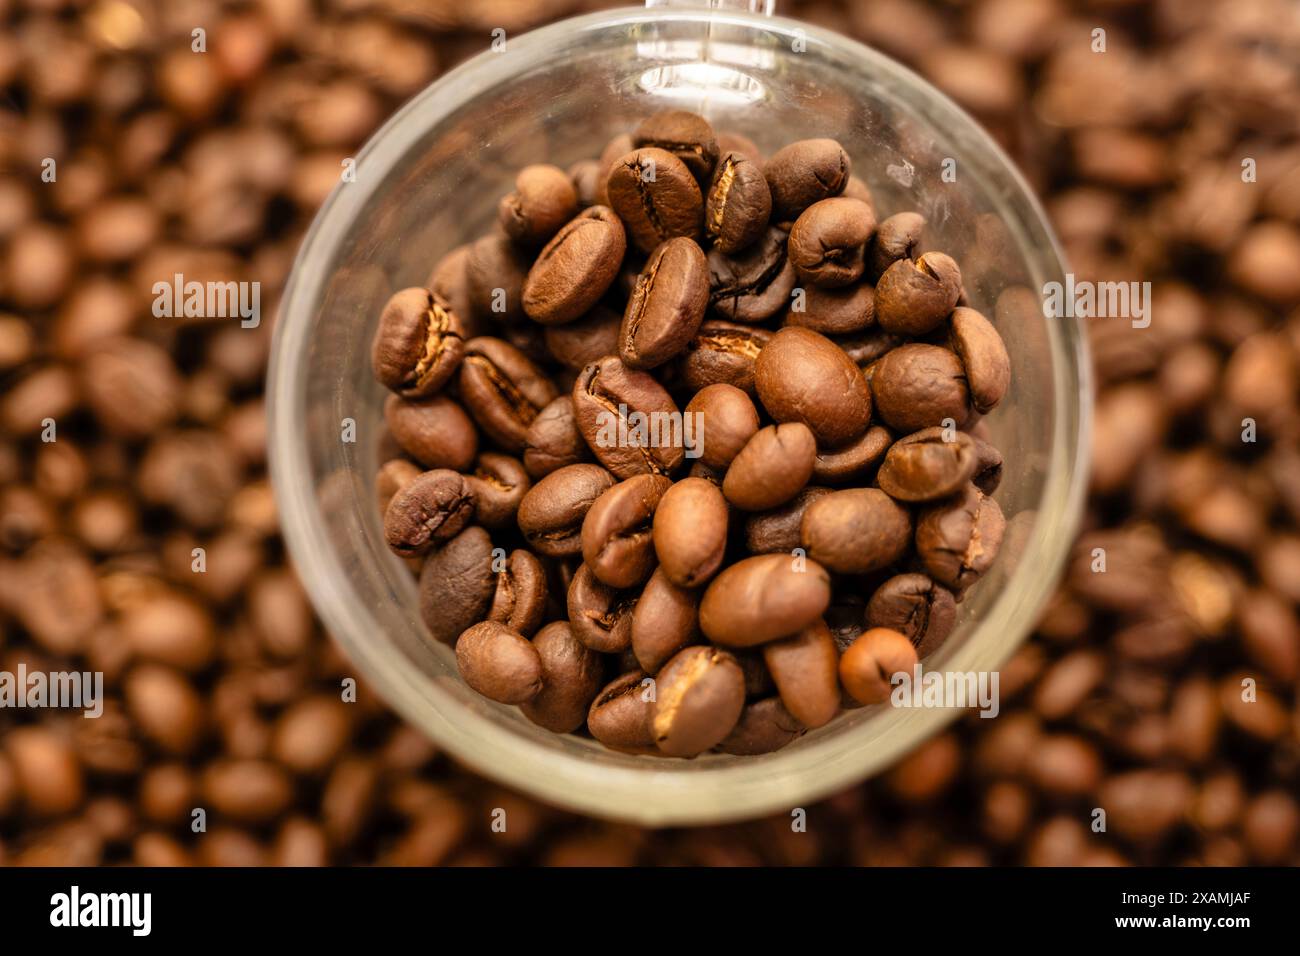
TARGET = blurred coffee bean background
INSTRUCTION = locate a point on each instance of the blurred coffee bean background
(222, 690)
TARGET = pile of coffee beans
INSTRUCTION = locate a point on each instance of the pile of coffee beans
(726, 426)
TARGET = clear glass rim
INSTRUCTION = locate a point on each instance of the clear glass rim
(653, 795)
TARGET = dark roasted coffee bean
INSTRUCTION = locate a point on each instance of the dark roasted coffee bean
(929, 464)
(687, 136)
(616, 534)
(834, 311)
(552, 512)
(690, 532)
(804, 377)
(772, 467)
(895, 239)
(856, 530)
(988, 467)
(917, 608)
(805, 668)
(543, 200)
(571, 677)
(579, 343)
(656, 196)
(418, 345)
(868, 346)
(433, 507)
(449, 281)
(666, 619)
(622, 714)
(499, 483)
(727, 417)
(723, 353)
(984, 357)
(575, 268)
(520, 598)
(765, 726)
(499, 663)
(699, 695)
(829, 240)
(854, 462)
(434, 431)
(456, 584)
(600, 615)
(627, 419)
(803, 173)
(666, 306)
(738, 203)
(753, 284)
(763, 598)
(958, 539)
(553, 440)
(914, 296)
(494, 275)
(867, 667)
(780, 529)
(503, 390)
(919, 386)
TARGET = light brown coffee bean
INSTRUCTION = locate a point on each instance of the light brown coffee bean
(499, 663)
(868, 666)
(617, 540)
(772, 467)
(805, 668)
(665, 620)
(699, 695)
(856, 530)
(763, 598)
(575, 268)
(690, 532)
(571, 678)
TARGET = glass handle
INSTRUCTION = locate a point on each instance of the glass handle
(765, 7)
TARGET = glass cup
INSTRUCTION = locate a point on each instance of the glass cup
(428, 181)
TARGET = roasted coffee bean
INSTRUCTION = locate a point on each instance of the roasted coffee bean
(723, 353)
(666, 619)
(802, 376)
(856, 530)
(780, 529)
(431, 508)
(958, 539)
(988, 467)
(449, 280)
(929, 464)
(727, 420)
(834, 311)
(866, 347)
(543, 200)
(984, 357)
(868, 666)
(805, 668)
(499, 663)
(575, 268)
(666, 306)
(434, 431)
(503, 390)
(772, 467)
(919, 386)
(392, 476)
(656, 196)
(457, 584)
(519, 601)
(606, 397)
(495, 270)
(616, 534)
(687, 136)
(601, 616)
(803, 173)
(754, 284)
(419, 343)
(916, 607)
(571, 678)
(895, 239)
(765, 726)
(738, 203)
(552, 512)
(828, 242)
(499, 483)
(690, 532)
(622, 714)
(854, 462)
(763, 598)
(699, 695)
(914, 296)
(553, 440)
(579, 343)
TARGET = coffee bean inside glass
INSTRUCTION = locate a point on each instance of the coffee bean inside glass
(847, 509)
